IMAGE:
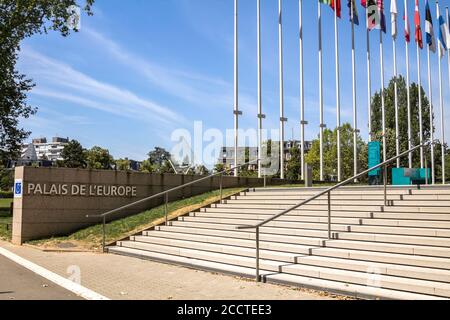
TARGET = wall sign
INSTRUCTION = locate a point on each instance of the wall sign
(18, 188)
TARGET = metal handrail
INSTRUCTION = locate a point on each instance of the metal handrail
(328, 191)
(166, 197)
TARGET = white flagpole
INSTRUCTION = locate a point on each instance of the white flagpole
(397, 129)
(419, 82)
(430, 93)
(369, 79)
(236, 97)
(441, 100)
(260, 114)
(448, 57)
(355, 120)
(383, 107)
(302, 92)
(321, 92)
(408, 94)
(282, 118)
(338, 95)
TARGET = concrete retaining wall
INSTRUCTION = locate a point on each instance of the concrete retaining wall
(55, 201)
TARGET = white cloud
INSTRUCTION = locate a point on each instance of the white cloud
(61, 81)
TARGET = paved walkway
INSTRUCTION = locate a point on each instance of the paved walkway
(18, 283)
(124, 278)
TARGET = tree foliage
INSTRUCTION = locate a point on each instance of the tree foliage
(294, 165)
(20, 19)
(99, 158)
(330, 153)
(73, 155)
(403, 123)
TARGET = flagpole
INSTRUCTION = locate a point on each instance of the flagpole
(338, 95)
(369, 82)
(383, 107)
(408, 93)
(355, 120)
(441, 100)
(236, 96)
(302, 92)
(448, 57)
(260, 113)
(430, 93)
(397, 129)
(321, 92)
(419, 81)
(282, 118)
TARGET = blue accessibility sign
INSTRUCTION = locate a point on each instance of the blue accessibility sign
(18, 188)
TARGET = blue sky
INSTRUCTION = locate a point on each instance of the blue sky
(139, 69)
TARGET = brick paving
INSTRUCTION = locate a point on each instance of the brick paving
(126, 278)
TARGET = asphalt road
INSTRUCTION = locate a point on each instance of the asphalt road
(19, 283)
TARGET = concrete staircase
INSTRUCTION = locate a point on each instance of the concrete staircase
(401, 251)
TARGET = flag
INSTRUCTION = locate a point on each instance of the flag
(394, 14)
(372, 13)
(431, 40)
(443, 36)
(448, 34)
(353, 13)
(419, 39)
(334, 4)
(382, 18)
(407, 29)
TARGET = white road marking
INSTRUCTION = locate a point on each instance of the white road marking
(53, 277)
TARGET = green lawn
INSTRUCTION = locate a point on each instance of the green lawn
(92, 237)
(4, 233)
(5, 218)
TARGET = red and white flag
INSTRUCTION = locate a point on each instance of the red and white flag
(419, 39)
(407, 29)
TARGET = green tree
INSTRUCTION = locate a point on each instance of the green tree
(74, 156)
(219, 167)
(6, 178)
(99, 158)
(147, 167)
(158, 156)
(20, 19)
(403, 118)
(294, 165)
(122, 164)
(330, 153)
(201, 170)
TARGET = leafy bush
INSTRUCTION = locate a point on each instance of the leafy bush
(6, 194)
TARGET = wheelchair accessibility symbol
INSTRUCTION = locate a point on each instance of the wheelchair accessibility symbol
(18, 189)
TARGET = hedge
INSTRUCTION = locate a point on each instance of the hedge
(6, 194)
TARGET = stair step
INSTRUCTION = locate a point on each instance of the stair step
(390, 248)
(354, 277)
(238, 234)
(166, 237)
(335, 220)
(339, 263)
(384, 257)
(359, 291)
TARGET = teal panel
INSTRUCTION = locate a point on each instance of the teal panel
(398, 177)
(374, 157)
(424, 175)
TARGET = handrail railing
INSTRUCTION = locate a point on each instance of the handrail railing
(328, 191)
(166, 197)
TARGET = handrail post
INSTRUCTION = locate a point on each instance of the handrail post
(221, 188)
(104, 234)
(166, 202)
(329, 215)
(258, 278)
(385, 185)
